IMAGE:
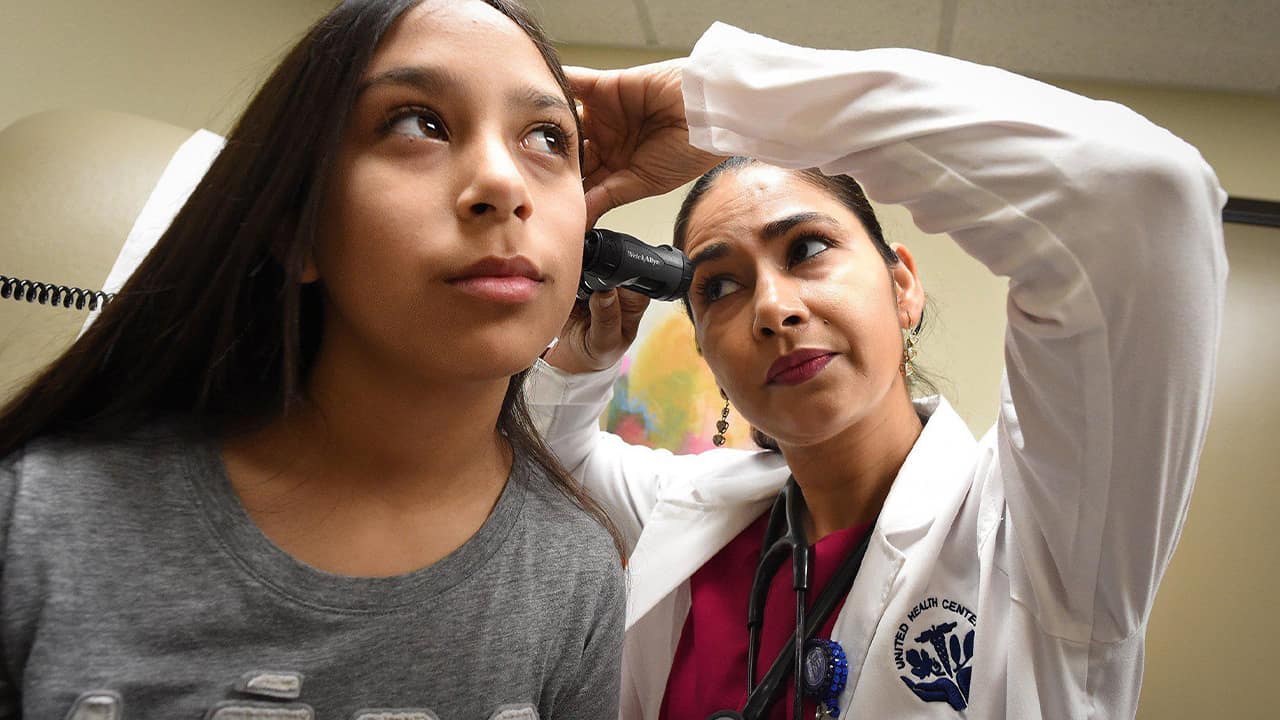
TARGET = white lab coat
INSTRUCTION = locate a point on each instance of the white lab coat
(1049, 536)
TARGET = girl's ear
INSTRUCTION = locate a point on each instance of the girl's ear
(907, 287)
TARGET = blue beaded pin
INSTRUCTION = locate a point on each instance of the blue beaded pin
(826, 672)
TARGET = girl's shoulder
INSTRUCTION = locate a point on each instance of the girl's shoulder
(53, 457)
(56, 477)
(560, 525)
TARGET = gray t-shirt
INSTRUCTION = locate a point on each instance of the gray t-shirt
(134, 585)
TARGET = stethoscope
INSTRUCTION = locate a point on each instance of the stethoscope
(818, 666)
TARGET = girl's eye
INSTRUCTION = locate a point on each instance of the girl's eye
(806, 247)
(548, 139)
(715, 288)
(418, 123)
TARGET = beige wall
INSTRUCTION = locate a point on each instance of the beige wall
(1210, 631)
(193, 63)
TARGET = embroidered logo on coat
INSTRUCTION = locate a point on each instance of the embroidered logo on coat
(935, 644)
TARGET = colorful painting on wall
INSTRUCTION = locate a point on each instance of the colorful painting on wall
(666, 397)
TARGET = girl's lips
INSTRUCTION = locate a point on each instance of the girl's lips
(509, 280)
(506, 289)
(798, 367)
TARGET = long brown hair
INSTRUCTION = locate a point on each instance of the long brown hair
(215, 326)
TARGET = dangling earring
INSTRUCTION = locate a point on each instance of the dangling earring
(908, 355)
(909, 341)
(722, 425)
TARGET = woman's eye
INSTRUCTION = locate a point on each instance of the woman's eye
(806, 247)
(419, 123)
(548, 139)
(716, 288)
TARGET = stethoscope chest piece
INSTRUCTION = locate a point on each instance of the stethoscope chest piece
(826, 672)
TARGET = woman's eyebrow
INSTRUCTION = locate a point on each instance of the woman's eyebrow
(712, 251)
(780, 227)
(770, 231)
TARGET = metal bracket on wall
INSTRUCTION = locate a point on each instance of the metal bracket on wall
(1252, 212)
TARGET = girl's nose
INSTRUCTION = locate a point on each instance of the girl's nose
(495, 189)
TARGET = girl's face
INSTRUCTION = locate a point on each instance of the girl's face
(451, 236)
(793, 307)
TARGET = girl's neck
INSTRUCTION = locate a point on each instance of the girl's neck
(375, 472)
(402, 432)
(846, 478)
(395, 427)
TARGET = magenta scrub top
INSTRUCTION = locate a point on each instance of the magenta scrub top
(710, 666)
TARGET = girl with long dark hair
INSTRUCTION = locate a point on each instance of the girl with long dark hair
(288, 472)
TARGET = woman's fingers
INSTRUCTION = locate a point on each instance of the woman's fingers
(596, 339)
(582, 80)
(604, 335)
(607, 190)
(637, 140)
(615, 319)
(632, 306)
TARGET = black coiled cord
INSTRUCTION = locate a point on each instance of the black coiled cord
(50, 294)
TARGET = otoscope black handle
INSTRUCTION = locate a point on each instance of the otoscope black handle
(612, 259)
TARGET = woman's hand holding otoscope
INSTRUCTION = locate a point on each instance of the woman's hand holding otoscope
(619, 275)
(637, 145)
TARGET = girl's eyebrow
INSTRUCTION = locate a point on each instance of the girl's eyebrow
(536, 99)
(437, 81)
(430, 80)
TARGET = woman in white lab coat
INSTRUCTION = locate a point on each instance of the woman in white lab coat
(1007, 577)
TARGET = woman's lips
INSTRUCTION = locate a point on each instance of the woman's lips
(798, 367)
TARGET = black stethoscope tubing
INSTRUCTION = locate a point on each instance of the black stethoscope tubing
(784, 535)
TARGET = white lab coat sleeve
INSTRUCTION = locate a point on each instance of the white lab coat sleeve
(630, 480)
(626, 479)
(1109, 230)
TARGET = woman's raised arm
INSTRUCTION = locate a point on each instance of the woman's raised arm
(1109, 230)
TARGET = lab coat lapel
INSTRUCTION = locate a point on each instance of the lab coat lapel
(865, 605)
(918, 512)
(678, 539)
(691, 523)
(686, 528)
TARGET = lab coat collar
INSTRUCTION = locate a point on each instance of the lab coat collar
(927, 479)
(689, 525)
(696, 517)
(682, 536)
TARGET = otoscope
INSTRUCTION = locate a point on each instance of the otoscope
(613, 259)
